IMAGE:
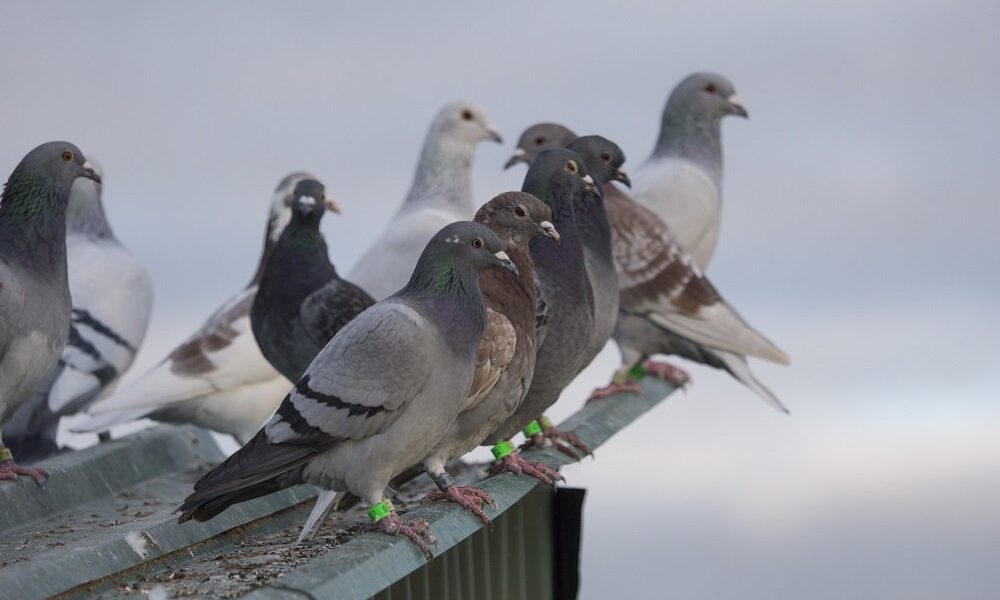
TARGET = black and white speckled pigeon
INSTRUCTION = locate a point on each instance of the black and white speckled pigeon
(383, 391)
(34, 287)
(682, 180)
(441, 193)
(112, 299)
(301, 302)
(217, 378)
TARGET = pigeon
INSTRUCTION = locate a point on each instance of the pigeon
(559, 178)
(441, 193)
(645, 250)
(217, 378)
(682, 179)
(383, 391)
(301, 302)
(34, 285)
(112, 298)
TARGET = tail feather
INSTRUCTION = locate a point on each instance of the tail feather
(325, 502)
(739, 368)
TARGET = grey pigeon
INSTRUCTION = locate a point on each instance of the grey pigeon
(383, 391)
(682, 179)
(649, 261)
(301, 302)
(34, 287)
(441, 193)
(112, 299)
(559, 178)
(217, 378)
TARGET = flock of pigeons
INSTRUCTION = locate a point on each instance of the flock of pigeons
(447, 335)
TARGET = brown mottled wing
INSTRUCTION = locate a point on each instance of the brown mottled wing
(495, 351)
(658, 279)
(193, 356)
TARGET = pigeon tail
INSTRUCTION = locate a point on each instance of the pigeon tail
(738, 367)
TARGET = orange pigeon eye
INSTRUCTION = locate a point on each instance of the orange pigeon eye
(67, 155)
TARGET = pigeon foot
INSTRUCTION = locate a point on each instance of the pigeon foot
(470, 498)
(627, 387)
(667, 372)
(566, 442)
(418, 530)
(517, 464)
(9, 470)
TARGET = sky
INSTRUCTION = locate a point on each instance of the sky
(859, 232)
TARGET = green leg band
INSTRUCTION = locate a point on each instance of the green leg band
(5, 454)
(637, 372)
(380, 511)
(532, 429)
(502, 449)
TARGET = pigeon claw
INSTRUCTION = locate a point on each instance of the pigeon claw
(566, 442)
(517, 464)
(667, 372)
(628, 387)
(9, 470)
(468, 497)
(418, 530)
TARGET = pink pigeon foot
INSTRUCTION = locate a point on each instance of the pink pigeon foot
(667, 372)
(470, 498)
(517, 464)
(9, 470)
(566, 442)
(628, 387)
(418, 530)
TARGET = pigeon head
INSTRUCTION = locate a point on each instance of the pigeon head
(464, 124)
(557, 177)
(458, 252)
(310, 200)
(285, 196)
(539, 137)
(705, 96)
(52, 167)
(518, 218)
(604, 158)
(85, 212)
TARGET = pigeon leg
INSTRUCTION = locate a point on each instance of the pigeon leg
(468, 497)
(9, 470)
(417, 530)
(667, 372)
(517, 464)
(621, 383)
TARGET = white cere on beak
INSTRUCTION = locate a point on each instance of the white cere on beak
(588, 179)
(502, 255)
(735, 100)
(519, 153)
(307, 200)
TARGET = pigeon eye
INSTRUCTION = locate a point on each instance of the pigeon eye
(477, 243)
(520, 210)
(67, 155)
(539, 140)
(605, 156)
(467, 115)
(710, 88)
(571, 167)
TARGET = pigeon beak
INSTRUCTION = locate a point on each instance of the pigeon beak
(549, 230)
(90, 172)
(736, 106)
(622, 176)
(331, 204)
(515, 158)
(507, 263)
(494, 135)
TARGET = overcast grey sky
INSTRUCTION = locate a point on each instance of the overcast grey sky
(862, 205)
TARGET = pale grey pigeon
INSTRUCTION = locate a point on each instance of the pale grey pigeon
(218, 377)
(301, 302)
(682, 180)
(441, 193)
(112, 298)
(34, 287)
(383, 391)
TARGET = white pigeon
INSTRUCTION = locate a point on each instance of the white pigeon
(441, 193)
(682, 179)
(112, 296)
(218, 377)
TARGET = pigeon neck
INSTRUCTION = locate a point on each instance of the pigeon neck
(451, 294)
(85, 212)
(514, 296)
(296, 267)
(33, 223)
(592, 222)
(443, 177)
(565, 257)
(692, 137)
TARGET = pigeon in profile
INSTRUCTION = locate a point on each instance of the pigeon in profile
(301, 301)
(558, 178)
(649, 260)
(34, 286)
(112, 299)
(218, 377)
(383, 391)
(441, 193)
(682, 179)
